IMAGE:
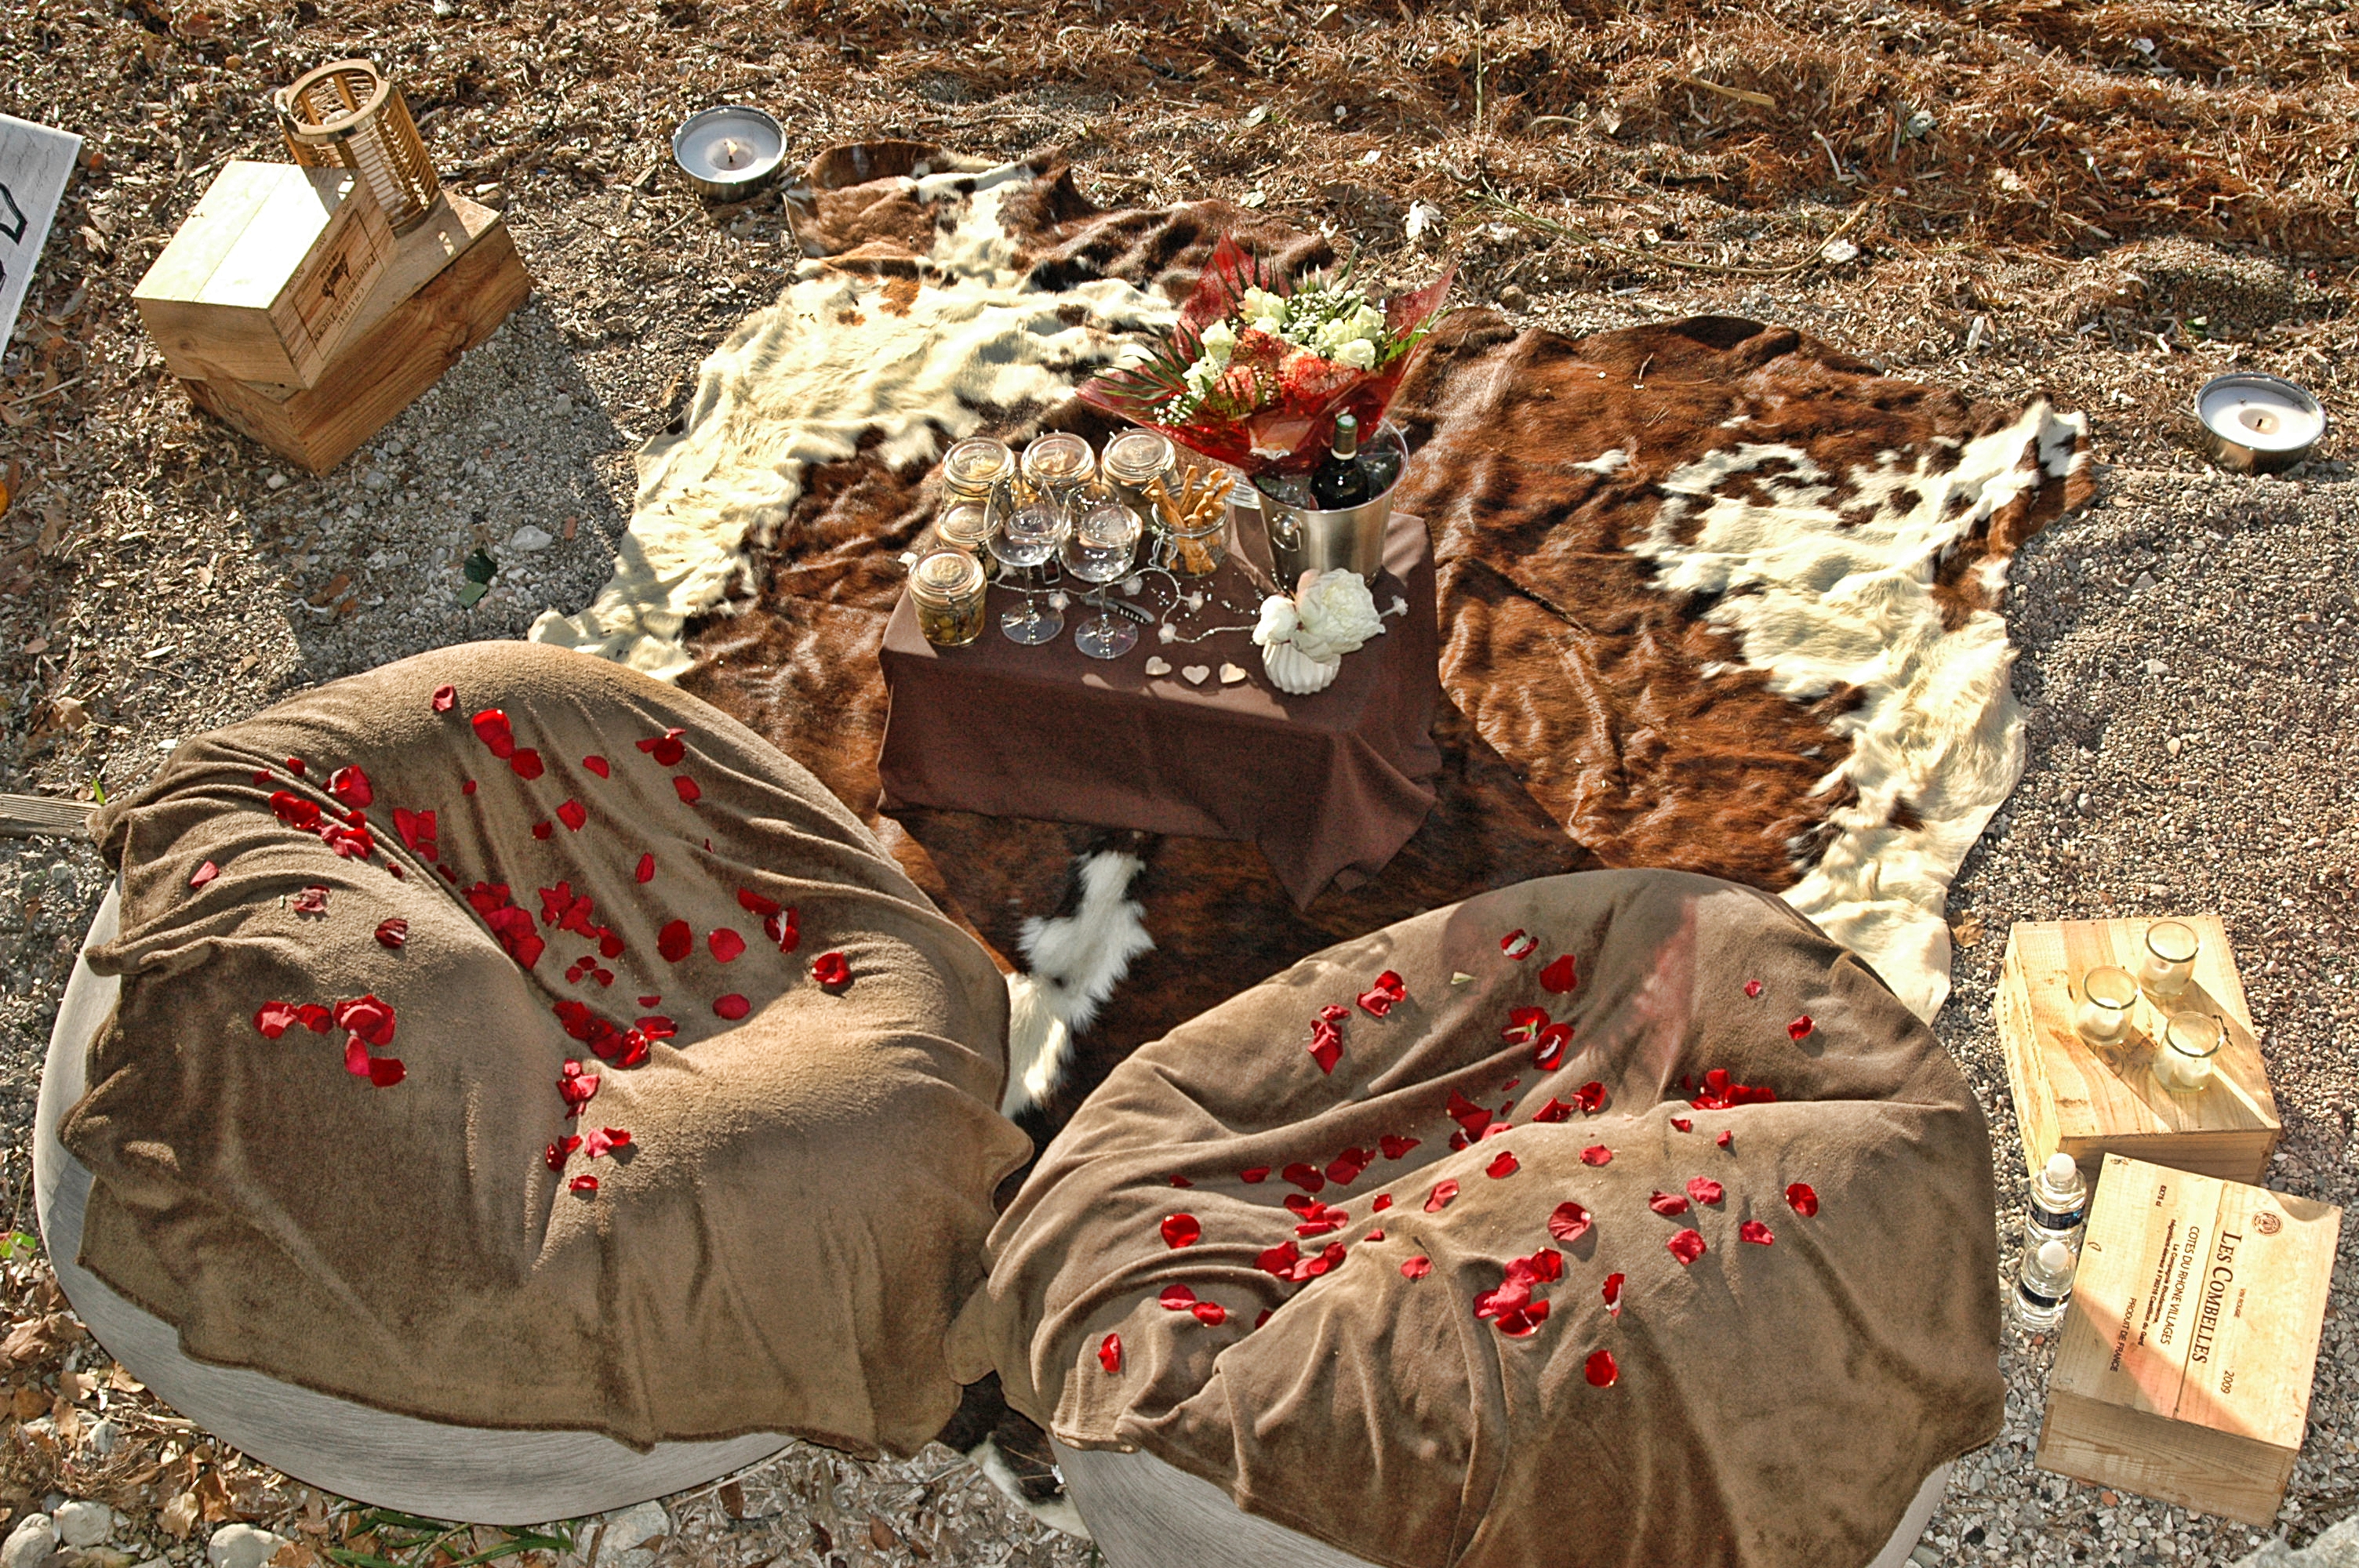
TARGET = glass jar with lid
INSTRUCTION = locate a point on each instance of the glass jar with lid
(972, 466)
(947, 591)
(1059, 463)
(1132, 462)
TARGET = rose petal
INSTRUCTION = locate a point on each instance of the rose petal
(1505, 1165)
(1753, 1231)
(1110, 1353)
(1687, 1245)
(1310, 1178)
(1601, 1370)
(1682, 1124)
(544, 828)
(1523, 1024)
(665, 748)
(491, 728)
(598, 765)
(356, 1056)
(1802, 1198)
(1703, 1189)
(351, 786)
(1181, 1182)
(466, 786)
(732, 1007)
(1383, 1201)
(1472, 1118)
(1753, 988)
(1668, 1204)
(1517, 945)
(1279, 1260)
(1548, 1046)
(311, 901)
(1394, 1146)
(203, 874)
(315, 1018)
(1176, 1298)
(1326, 1045)
(274, 1018)
(1560, 975)
(1613, 1293)
(1555, 1110)
(831, 970)
(725, 944)
(646, 871)
(572, 816)
(295, 765)
(528, 764)
(1438, 1199)
(1379, 999)
(1254, 1175)
(1417, 1268)
(1726, 1138)
(1181, 1231)
(368, 1017)
(1520, 1324)
(586, 1186)
(685, 787)
(445, 698)
(1374, 1236)
(675, 941)
(1801, 1028)
(555, 1153)
(1569, 1222)
(385, 1071)
(392, 933)
(1596, 1154)
(1211, 1314)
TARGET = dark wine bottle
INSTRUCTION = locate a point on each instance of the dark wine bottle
(1340, 481)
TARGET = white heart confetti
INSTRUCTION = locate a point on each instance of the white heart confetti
(1231, 674)
(1158, 666)
(1194, 675)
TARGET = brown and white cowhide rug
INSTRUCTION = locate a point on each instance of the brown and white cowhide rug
(1713, 595)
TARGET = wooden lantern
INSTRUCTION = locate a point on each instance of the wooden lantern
(347, 114)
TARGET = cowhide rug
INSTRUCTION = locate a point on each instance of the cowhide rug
(1713, 595)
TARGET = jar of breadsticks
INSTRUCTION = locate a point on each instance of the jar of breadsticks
(1191, 510)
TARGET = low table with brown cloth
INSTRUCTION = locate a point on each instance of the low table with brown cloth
(1278, 1278)
(614, 875)
(1329, 786)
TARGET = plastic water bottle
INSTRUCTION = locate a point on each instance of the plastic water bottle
(2051, 1243)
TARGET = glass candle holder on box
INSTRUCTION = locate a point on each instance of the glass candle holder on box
(947, 590)
(2191, 1042)
(2107, 994)
(2168, 962)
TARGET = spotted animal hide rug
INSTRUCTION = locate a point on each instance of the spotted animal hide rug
(1713, 595)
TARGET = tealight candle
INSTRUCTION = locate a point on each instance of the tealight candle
(730, 152)
(2258, 423)
(2107, 994)
(2189, 1042)
(2170, 961)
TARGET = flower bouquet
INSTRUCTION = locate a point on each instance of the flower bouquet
(1259, 366)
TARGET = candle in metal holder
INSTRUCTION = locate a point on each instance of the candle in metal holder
(2189, 1042)
(348, 114)
(2107, 994)
(2170, 961)
(729, 153)
(2258, 423)
(947, 589)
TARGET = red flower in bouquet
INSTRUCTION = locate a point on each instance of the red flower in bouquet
(1260, 365)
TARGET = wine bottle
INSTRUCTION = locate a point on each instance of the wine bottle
(1340, 481)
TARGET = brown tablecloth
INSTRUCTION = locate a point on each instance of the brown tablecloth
(1329, 786)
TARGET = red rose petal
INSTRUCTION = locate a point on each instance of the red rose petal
(1379, 999)
(1602, 1372)
(1555, 1110)
(1181, 1231)
(603, 1139)
(1668, 1204)
(1176, 1298)
(1801, 1028)
(1596, 1154)
(732, 1007)
(1505, 1165)
(385, 1072)
(311, 901)
(1682, 1124)
(1181, 1182)
(555, 1153)
(351, 786)
(675, 941)
(1438, 1199)
(572, 816)
(831, 970)
(467, 786)
(1687, 1245)
(1569, 1222)
(1326, 1045)
(1110, 1353)
(295, 765)
(1310, 1178)
(1517, 945)
(446, 698)
(1613, 1293)
(315, 1018)
(1417, 1268)
(1753, 988)
(1211, 1314)
(527, 765)
(1374, 1236)
(1727, 1138)
(1802, 1198)
(597, 764)
(726, 944)
(1384, 1201)
(392, 933)
(647, 872)
(685, 787)
(1279, 1260)
(203, 874)
(544, 828)
(1393, 1146)
(1520, 1324)
(274, 1018)
(1753, 1231)
(1592, 1097)
(1254, 1175)
(665, 748)
(1560, 974)
(491, 728)
(1703, 1189)
(584, 1184)
(1523, 1024)
(356, 1056)
(1548, 1046)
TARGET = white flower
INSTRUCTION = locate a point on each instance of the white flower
(1220, 339)
(1334, 613)
(1358, 354)
(1278, 621)
(1260, 308)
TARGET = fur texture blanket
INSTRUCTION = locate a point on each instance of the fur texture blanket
(1714, 596)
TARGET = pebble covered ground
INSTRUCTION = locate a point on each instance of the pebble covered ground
(2180, 645)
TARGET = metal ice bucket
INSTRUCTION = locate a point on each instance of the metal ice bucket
(1302, 539)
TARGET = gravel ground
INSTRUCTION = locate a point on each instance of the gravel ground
(159, 576)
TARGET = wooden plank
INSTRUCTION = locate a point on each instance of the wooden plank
(36, 815)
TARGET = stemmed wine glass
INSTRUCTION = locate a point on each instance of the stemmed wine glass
(1026, 529)
(1097, 549)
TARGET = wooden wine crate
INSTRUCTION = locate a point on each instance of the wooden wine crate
(266, 279)
(2087, 1101)
(454, 279)
(2187, 1352)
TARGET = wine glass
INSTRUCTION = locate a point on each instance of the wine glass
(1097, 549)
(1026, 529)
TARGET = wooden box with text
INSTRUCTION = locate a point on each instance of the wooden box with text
(2090, 1101)
(2186, 1356)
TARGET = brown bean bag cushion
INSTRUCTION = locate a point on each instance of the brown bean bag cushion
(332, 1123)
(1352, 1301)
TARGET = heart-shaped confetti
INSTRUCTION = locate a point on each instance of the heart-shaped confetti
(1157, 665)
(1196, 675)
(1231, 674)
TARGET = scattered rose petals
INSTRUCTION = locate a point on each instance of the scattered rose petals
(1181, 1182)
(528, 764)
(666, 748)
(1505, 1165)
(685, 787)
(1181, 1231)
(1394, 1146)
(675, 941)
(1726, 1138)
(1279, 1260)
(1560, 974)
(1523, 1024)
(274, 1018)
(586, 1186)
(1668, 1204)
(1613, 1293)
(1383, 1201)
(491, 728)
(1681, 1124)
(1110, 1353)
(1374, 1236)
(1176, 1298)
(1211, 1314)
(1687, 1245)
(576, 1087)
(1801, 1028)
(1346, 1167)
(544, 828)
(1555, 1110)
(1472, 1118)
(385, 1071)
(1308, 1177)
(351, 786)
(831, 970)
(732, 1007)
(1417, 1268)
(1592, 1097)
(445, 698)
(315, 1018)
(1703, 1189)
(1753, 989)
(1326, 1045)
(555, 1153)
(646, 871)
(1520, 1324)
(1379, 999)
(1547, 1047)
(572, 816)
(1753, 1231)
(597, 764)
(1596, 1154)
(1518, 944)
(392, 933)
(1802, 1198)
(1569, 1223)
(603, 1139)
(356, 1056)
(1438, 1199)
(203, 874)
(1601, 1370)
(725, 944)
(1254, 1175)
(312, 900)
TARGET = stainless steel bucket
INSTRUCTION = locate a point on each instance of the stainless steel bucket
(1303, 539)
